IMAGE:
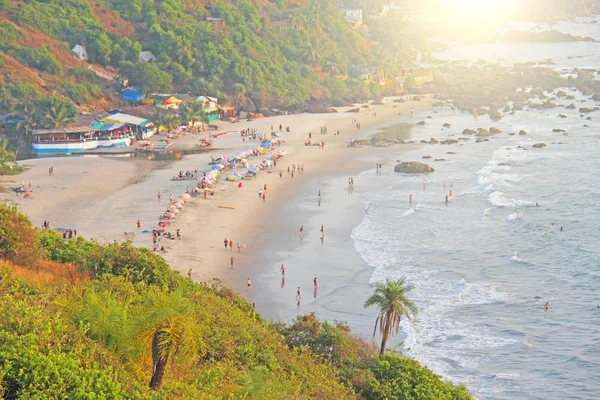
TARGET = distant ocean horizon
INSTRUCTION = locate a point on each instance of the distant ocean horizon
(485, 264)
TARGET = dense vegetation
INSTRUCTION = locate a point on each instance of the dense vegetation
(81, 320)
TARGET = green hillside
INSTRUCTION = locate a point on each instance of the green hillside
(80, 320)
(276, 53)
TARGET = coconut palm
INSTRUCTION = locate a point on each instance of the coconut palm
(390, 298)
(168, 329)
(5, 155)
(56, 116)
(27, 120)
(193, 113)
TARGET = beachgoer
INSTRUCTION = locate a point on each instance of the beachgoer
(190, 273)
(280, 175)
(322, 237)
(239, 246)
(547, 305)
(249, 284)
(537, 204)
(159, 195)
(410, 199)
(171, 198)
(302, 232)
(451, 193)
(561, 229)
(315, 283)
(298, 292)
(260, 192)
(282, 270)
(139, 225)
(292, 174)
(162, 249)
(231, 245)
(264, 196)
(446, 199)
(178, 234)
(444, 184)
(225, 242)
(319, 198)
(231, 261)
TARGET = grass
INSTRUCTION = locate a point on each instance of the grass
(12, 169)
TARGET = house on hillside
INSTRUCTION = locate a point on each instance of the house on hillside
(353, 15)
(132, 94)
(79, 52)
(218, 23)
(147, 56)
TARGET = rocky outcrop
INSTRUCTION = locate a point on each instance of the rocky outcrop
(571, 107)
(421, 123)
(561, 93)
(469, 132)
(449, 141)
(539, 145)
(586, 110)
(493, 129)
(484, 132)
(558, 130)
(562, 116)
(446, 125)
(413, 167)
(522, 132)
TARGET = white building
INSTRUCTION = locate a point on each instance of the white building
(354, 16)
(146, 56)
(79, 52)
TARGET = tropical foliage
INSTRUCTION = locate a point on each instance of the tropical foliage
(84, 320)
(393, 304)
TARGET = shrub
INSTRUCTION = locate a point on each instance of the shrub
(18, 239)
(40, 58)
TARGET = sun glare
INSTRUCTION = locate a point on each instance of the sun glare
(476, 14)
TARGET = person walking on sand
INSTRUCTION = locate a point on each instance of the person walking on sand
(260, 193)
(302, 232)
(249, 284)
(190, 273)
(410, 199)
(159, 195)
(139, 225)
(178, 234)
(322, 237)
(231, 245)
(239, 246)
(446, 199)
(315, 283)
(264, 196)
(225, 242)
(171, 198)
(232, 261)
(298, 293)
(282, 270)
(319, 198)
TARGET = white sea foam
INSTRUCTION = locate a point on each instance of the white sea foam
(513, 217)
(498, 199)
(408, 212)
(515, 257)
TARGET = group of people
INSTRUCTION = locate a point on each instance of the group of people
(188, 174)
(378, 167)
(228, 244)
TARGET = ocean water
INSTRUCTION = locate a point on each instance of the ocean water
(485, 264)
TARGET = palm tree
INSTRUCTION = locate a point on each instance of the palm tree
(5, 155)
(56, 116)
(26, 113)
(193, 112)
(390, 298)
(168, 328)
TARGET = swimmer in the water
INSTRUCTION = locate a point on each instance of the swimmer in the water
(410, 199)
(446, 199)
(537, 204)
(561, 229)
(451, 193)
(547, 305)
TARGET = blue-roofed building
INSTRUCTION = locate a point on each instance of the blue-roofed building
(132, 94)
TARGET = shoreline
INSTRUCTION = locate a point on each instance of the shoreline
(103, 197)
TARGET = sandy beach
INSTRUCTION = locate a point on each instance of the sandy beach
(103, 197)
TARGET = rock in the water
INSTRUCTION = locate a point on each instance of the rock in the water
(506, 109)
(426, 157)
(512, 134)
(586, 110)
(429, 117)
(493, 129)
(588, 118)
(449, 141)
(416, 98)
(562, 116)
(548, 104)
(438, 104)
(400, 101)
(433, 141)
(558, 130)
(561, 93)
(537, 92)
(353, 110)
(469, 132)
(539, 145)
(413, 167)
(440, 159)
(571, 107)
(421, 123)
(446, 125)
(484, 133)
(522, 133)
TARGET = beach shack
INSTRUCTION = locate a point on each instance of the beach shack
(227, 112)
(141, 128)
(79, 52)
(132, 94)
(210, 107)
(78, 138)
